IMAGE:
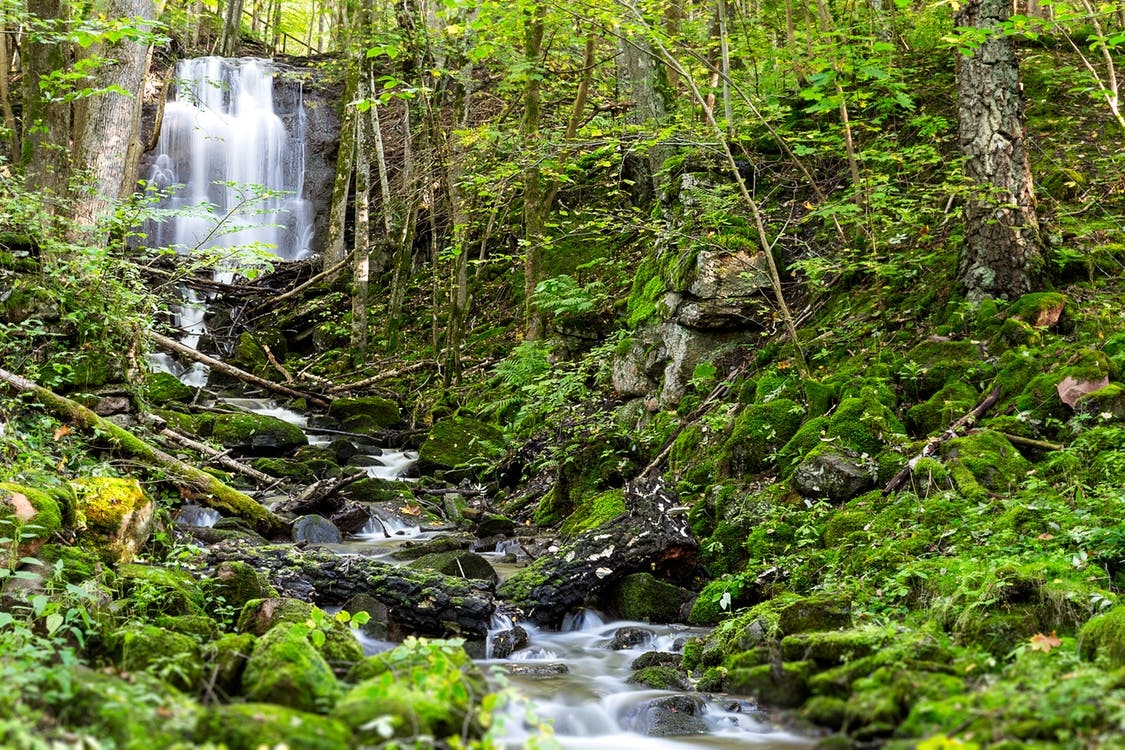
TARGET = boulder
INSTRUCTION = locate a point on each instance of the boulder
(338, 647)
(286, 668)
(165, 653)
(257, 434)
(161, 388)
(315, 530)
(835, 473)
(673, 716)
(459, 564)
(152, 590)
(367, 415)
(249, 726)
(29, 515)
(641, 596)
(458, 441)
(113, 515)
(236, 583)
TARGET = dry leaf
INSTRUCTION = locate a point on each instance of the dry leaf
(1045, 643)
(1071, 389)
(1045, 537)
(411, 509)
(62, 432)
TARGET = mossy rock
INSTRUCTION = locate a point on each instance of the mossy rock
(1039, 309)
(250, 726)
(643, 597)
(75, 564)
(758, 432)
(154, 590)
(984, 459)
(1103, 637)
(707, 608)
(376, 490)
(163, 653)
(955, 399)
(257, 434)
(934, 363)
(199, 627)
(371, 412)
(287, 669)
(660, 678)
(30, 515)
(236, 583)
(863, 424)
(691, 458)
(286, 468)
(1105, 404)
(340, 647)
(459, 564)
(593, 511)
(161, 388)
(114, 516)
(425, 687)
(834, 472)
(784, 687)
(814, 614)
(226, 657)
(833, 647)
(458, 441)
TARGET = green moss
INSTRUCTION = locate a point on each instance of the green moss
(833, 647)
(786, 687)
(285, 668)
(27, 514)
(1105, 404)
(457, 441)
(758, 432)
(641, 596)
(249, 726)
(660, 678)
(691, 458)
(381, 412)
(953, 401)
(235, 583)
(984, 459)
(226, 657)
(285, 468)
(153, 590)
(161, 388)
(1040, 309)
(163, 653)
(340, 648)
(1103, 637)
(934, 363)
(257, 433)
(594, 511)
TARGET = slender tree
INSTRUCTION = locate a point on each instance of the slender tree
(1001, 251)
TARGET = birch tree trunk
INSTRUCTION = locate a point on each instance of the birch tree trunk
(1001, 253)
(362, 248)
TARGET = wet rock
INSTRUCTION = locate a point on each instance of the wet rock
(642, 597)
(493, 524)
(246, 726)
(624, 638)
(536, 670)
(257, 434)
(459, 564)
(782, 686)
(163, 387)
(376, 490)
(366, 412)
(835, 473)
(350, 518)
(656, 659)
(377, 626)
(458, 441)
(674, 716)
(504, 642)
(420, 602)
(285, 668)
(660, 678)
(315, 530)
(117, 515)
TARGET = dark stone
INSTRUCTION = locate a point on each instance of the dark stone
(459, 564)
(505, 642)
(642, 597)
(378, 626)
(674, 716)
(656, 659)
(536, 669)
(625, 638)
(836, 473)
(492, 524)
(351, 518)
(315, 530)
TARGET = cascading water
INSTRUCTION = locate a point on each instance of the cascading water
(232, 171)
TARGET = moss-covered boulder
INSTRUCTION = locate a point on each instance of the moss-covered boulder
(257, 434)
(366, 415)
(287, 669)
(933, 363)
(235, 583)
(1103, 637)
(784, 687)
(643, 597)
(817, 613)
(1039, 309)
(423, 687)
(660, 678)
(984, 461)
(151, 590)
(249, 726)
(376, 490)
(460, 441)
(113, 515)
(757, 433)
(834, 472)
(28, 515)
(862, 423)
(1105, 404)
(340, 647)
(592, 511)
(166, 654)
(458, 563)
(833, 647)
(161, 388)
(286, 468)
(226, 658)
(955, 399)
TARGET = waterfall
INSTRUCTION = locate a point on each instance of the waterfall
(232, 168)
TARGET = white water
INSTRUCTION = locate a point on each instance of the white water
(234, 169)
(592, 706)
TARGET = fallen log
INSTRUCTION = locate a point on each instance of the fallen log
(652, 536)
(321, 497)
(203, 488)
(420, 602)
(219, 366)
(221, 458)
(899, 480)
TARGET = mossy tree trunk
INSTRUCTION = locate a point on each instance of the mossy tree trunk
(1001, 255)
(536, 197)
(45, 142)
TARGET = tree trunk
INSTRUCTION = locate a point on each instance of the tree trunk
(107, 126)
(45, 141)
(1001, 253)
(362, 248)
(345, 164)
(5, 95)
(639, 74)
(536, 205)
(232, 26)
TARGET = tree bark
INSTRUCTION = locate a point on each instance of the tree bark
(345, 165)
(202, 487)
(5, 95)
(1001, 254)
(536, 205)
(46, 124)
(361, 271)
(107, 125)
(232, 28)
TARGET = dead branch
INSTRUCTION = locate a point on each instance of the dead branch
(220, 457)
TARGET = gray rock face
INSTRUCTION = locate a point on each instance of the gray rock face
(673, 716)
(838, 474)
(315, 530)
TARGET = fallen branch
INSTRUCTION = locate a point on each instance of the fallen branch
(302, 287)
(203, 487)
(219, 366)
(1030, 443)
(219, 457)
(380, 376)
(314, 498)
(930, 448)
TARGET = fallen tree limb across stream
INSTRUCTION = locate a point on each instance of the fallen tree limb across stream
(219, 366)
(204, 488)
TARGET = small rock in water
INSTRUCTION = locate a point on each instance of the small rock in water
(505, 642)
(629, 637)
(539, 671)
(656, 659)
(315, 530)
(673, 716)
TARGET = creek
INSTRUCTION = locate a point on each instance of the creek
(232, 169)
